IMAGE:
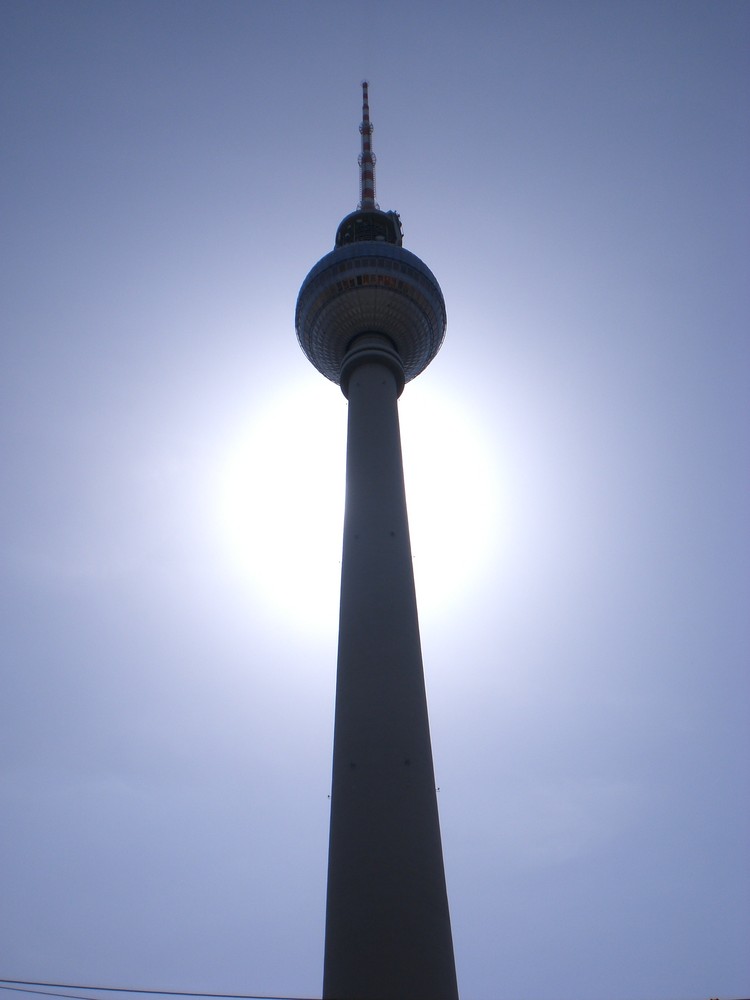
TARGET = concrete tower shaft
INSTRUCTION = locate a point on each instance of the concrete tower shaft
(388, 934)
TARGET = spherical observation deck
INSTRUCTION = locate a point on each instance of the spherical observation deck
(370, 287)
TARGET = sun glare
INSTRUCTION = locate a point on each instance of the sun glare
(280, 506)
(453, 496)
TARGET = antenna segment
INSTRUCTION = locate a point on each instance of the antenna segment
(366, 157)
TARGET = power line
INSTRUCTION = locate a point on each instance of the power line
(45, 993)
(25, 986)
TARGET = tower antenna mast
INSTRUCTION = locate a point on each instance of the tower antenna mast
(366, 157)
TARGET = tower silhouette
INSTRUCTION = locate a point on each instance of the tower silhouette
(370, 316)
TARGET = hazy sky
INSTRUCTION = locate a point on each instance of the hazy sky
(578, 463)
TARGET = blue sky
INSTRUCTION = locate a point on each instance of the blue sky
(575, 174)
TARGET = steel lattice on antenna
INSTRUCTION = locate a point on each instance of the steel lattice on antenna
(366, 158)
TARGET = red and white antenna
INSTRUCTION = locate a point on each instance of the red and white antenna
(366, 157)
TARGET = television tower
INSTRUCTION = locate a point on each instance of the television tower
(370, 317)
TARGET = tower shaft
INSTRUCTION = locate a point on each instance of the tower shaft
(388, 933)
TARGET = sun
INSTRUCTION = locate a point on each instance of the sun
(279, 507)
